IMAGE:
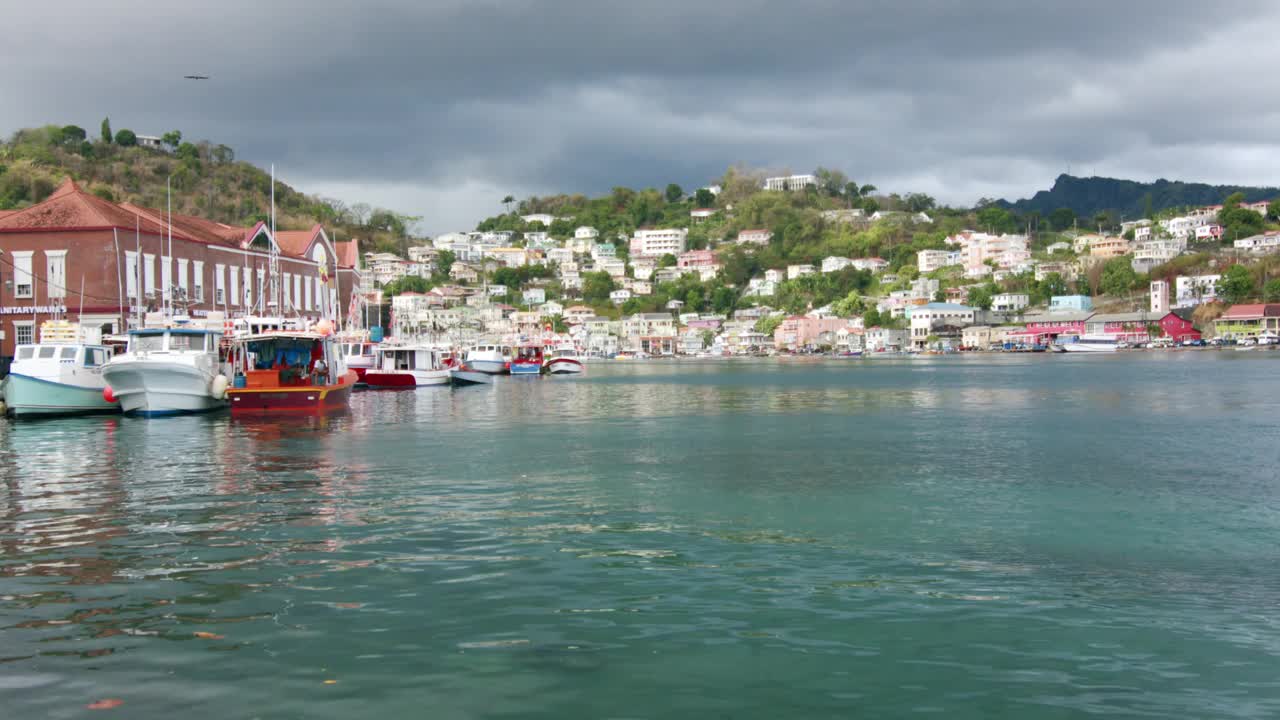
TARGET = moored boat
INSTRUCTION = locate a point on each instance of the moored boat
(289, 371)
(407, 366)
(359, 354)
(174, 370)
(527, 360)
(564, 360)
(61, 375)
(491, 359)
(462, 376)
(1092, 343)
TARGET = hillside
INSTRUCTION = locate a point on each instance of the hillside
(1128, 198)
(207, 181)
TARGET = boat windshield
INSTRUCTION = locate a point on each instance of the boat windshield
(186, 343)
(68, 353)
(26, 353)
(150, 342)
(47, 352)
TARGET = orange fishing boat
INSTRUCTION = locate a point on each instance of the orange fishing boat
(288, 372)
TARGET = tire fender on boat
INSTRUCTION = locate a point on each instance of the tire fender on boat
(218, 388)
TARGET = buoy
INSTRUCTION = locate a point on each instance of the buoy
(324, 327)
(107, 395)
(218, 389)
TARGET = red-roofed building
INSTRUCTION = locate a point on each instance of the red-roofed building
(102, 263)
(1245, 321)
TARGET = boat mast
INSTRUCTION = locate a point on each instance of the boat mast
(273, 253)
(168, 262)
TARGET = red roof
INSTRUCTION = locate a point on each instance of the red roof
(71, 208)
(1251, 312)
(348, 252)
(296, 242)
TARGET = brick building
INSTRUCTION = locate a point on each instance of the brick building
(102, 263)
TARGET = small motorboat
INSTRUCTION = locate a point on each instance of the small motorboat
(490, 359)
(527, 360)
(564, 360)
(463, 376)
(62, 375)
(288, 372)
(407, 366)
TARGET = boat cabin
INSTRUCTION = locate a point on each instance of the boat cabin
(47, 361)
(410, 358)
(173, 340)
(286, 359)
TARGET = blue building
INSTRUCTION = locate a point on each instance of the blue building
(1070, 303)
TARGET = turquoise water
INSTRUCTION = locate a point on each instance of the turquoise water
(1007, 536)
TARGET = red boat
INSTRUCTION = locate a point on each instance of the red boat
(288, 372)
(359, 353)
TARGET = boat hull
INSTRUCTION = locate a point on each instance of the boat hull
(32, 397)
(155, 389)
(470, 377)
(525, 368)
(291, 400)
(564, 366)
(490, 367)
(400, 379)
(1084, 348)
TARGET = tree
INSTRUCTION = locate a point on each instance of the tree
(1062, 219)
(674, 193)
(667, 260)
(1236, 285)
(704, 198)
(445, 261)
(106, 130)
(173, 139)
(558, 324)
(831, 182)
(126, 138)
(596, 287)
(1271, 292)
(222, 154)
(919, 202)
(980, 296)
(1118, 277)
(1273, 209)
(1238, 222)
(996, 219)
(768, 324)
(188, 151)
(507, 200)
(408, 283)
(73, 135)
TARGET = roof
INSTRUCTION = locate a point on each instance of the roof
(1058, 317)
(1251, 312)
(71, 208)
(348, 252)
(941, 306)
(1140, 316)
(296, 242)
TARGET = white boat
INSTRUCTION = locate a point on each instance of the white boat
(169, 371)
(62, 375)
(564, 360)
(1092, 342)
(469, 377)
(408, 366)
(489, 359)
(359, 353)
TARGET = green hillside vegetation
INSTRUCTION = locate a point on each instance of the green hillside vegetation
(1089, 197)
(207, 181)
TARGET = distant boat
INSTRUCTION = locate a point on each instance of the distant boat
(1092, 343)
(360, 355)
(407, 366)
(62, 375)
(564, 360)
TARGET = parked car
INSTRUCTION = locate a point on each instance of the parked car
(1195, 342)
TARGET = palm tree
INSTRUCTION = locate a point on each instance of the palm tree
(866, 190)
(507, 201)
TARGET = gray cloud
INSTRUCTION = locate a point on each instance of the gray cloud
(439, 108)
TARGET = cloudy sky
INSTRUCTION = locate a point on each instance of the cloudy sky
(439, 108)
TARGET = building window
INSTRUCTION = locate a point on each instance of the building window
(24, 332)
(306, 301)
(234, 296)
(56, 273)
(219, 285)
(166, 275)
(148, 274)
(198, 271)
(22, 279)
(248, 288)
(182, 277)
(288, 291)
(297, 292)
(131, 274)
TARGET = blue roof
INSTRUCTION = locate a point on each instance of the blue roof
(939, 306)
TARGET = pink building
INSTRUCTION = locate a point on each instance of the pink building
(799, 331)
(696, 259)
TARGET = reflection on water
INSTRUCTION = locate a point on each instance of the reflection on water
(978, 536)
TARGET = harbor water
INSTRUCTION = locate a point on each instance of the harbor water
(965, 537)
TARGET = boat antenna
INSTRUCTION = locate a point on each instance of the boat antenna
(273, 251)
(168, 262)
(137, 264)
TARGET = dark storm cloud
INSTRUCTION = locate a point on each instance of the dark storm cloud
(415, 101)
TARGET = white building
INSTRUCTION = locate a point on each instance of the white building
(790, 182)
(642, 268)
(1010, 302)
(543, 218)
(774, 276)
(835, 264)
(1267, 242)
(535, 296)
(761, 287)
(874, 264)
(559, 256)
(754, 237)
(929, 260)
(926, 319)
(798, 271)
(586, 232)
(617, 297)
(1150, 253)
(1192, 290)
(656, 243)
(1159, 297)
